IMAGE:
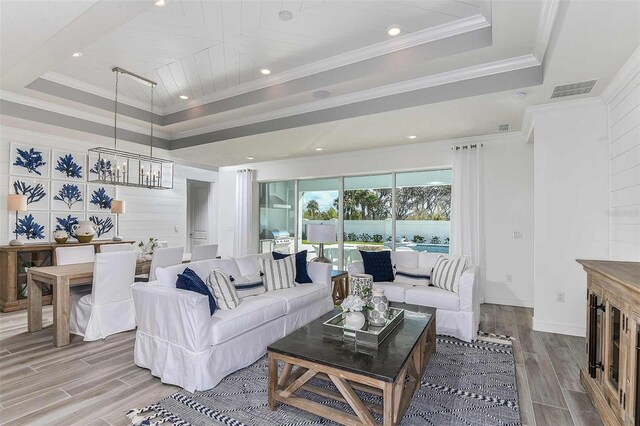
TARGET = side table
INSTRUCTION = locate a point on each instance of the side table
(340, 282)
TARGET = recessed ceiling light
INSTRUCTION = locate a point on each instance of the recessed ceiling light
(184, 97)
(285, 15)
(394, 30)
(412, 137)
(161, 3)
(249, 158)
(321, 94)
(520, 95)
(318, 149)
(265, 71)
(77, 54)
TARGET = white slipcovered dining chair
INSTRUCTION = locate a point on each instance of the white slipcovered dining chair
(110, 248)
(163, 257)
(109, 308)
(204, 251)
(73, 255)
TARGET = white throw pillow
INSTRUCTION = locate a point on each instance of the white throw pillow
(220, 286)
(248, 285)
(446, 272)
(413, 276)
(279, 274)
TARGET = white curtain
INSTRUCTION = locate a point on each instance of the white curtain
(467, 203)
(244, 212)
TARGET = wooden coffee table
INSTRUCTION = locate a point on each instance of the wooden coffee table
(392, 371)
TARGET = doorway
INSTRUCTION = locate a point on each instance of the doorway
(198, 217)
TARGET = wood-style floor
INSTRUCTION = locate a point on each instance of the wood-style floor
(95, 383)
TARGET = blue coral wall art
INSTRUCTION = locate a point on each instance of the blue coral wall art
(36, 190)
(65, 221)
(100, 197)
(67, 196)
(29, 160)
(31, 226)
(68, 165)
(104, 225)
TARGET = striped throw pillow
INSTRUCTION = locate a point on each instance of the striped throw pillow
(279, 274)
(248, 285)
(220, 285)
(446, 273)
(413, 276)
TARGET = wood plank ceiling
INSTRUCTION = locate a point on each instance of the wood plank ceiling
(199, 47)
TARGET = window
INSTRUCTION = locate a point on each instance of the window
(367, 213)
(370, 219)
(423, 209)
(277, 217)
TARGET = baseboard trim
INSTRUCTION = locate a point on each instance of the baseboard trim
(508, 301)
(553, 327)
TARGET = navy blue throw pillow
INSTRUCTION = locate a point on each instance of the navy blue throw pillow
(378, 264)
(302, 276)
(189, 280)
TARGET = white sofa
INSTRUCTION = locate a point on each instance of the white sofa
(182, 344)
(457, 315)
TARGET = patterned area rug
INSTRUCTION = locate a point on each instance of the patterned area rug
(464, 384)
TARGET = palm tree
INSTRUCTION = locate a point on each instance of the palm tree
(313, 208)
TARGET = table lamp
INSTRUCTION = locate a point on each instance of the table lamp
(16, 203)
(321, 234)
(117, 207)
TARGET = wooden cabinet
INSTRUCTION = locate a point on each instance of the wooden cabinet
(610, 375)
(16, 260)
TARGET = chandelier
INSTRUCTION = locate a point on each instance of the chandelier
(109, 166)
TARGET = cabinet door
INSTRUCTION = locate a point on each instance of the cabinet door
(615, 355)
(595, 333)
(631, 399)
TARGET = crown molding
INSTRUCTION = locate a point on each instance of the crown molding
(509, 137)
(530, 112)
(545, 27)
(476, 71)
(417, 38)
(83, 115)
(628, 72)
(98, 91)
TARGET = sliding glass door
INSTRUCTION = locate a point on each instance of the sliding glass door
(318, 203)
(423, 208)
(393, 211)
(367, 212)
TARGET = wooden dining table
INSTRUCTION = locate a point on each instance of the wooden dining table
(61, 278)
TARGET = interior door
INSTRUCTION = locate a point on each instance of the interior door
(198, 214)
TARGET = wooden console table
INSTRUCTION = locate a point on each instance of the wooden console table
(340, 281)
(16, 260)
(612, 372)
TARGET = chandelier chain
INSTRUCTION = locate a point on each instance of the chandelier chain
(151, 121)
(115, 116)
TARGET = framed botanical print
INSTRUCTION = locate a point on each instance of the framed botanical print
(36, 190)
(68, 165)
(32, 227)
(105, 225)
(65, 221)
(69, 196)
(99, 197)
(29, 160)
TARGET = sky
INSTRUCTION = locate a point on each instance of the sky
(324, 198)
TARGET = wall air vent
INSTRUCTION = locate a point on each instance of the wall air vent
(504, 127)
(573, 89)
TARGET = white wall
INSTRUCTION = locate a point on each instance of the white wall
(149, 213)
(509, 186)
(509, 208)
(624, 164)
(570, 209)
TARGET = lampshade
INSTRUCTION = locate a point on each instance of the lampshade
(321, 233)
(117, 206)
(17, 203)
